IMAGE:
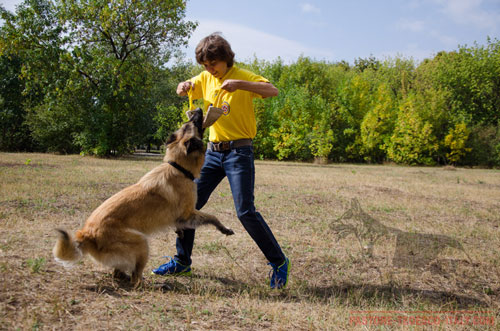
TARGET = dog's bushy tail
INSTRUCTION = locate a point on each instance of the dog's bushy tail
(66, 250)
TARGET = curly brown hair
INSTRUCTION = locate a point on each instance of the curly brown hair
(214, 48)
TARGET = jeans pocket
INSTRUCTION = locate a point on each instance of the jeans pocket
(244, 151)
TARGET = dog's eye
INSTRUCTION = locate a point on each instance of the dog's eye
(171, 139)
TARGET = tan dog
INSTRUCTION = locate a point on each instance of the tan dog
(116, 233)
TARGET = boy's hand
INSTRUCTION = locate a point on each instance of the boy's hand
(184, 87)
(230, 85)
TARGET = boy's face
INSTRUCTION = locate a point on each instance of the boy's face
(217, 68)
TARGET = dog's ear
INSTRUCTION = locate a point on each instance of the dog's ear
(171, 139)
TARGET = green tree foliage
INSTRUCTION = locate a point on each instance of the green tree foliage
(484, 144)
(371, 63)
(398, 74)
(301, 122)
(119, 47)
(378, 124)
(170, 108)
(413, 140)
(91, 68)
(472, 76)
(354, 101)
(391, 110)
(14, 131)
(35, 36)
(291, 135)
(456, 140)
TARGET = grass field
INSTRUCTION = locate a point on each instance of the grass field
(339, 279)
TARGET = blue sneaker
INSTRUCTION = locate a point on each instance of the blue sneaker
(279, 276)
(173, 268)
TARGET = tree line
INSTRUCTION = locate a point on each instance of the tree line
(443, 110)
(98, 77)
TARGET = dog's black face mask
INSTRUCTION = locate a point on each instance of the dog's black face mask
(197, 120)
(195, 123)
(195, 143)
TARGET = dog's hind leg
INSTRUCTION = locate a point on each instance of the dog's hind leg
(139, 247)
(199, 218)
(127, 252)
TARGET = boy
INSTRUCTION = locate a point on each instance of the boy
(229, 152)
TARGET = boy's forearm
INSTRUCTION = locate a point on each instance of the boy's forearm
(262, 88)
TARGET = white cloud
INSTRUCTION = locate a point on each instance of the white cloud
(471, 12)
(474, 13)
(421, 27)
(247, 42)
(309, 8)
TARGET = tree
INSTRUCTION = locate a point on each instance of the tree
(169, 107)
(378, 124)
(91, 66)
(370, 63)
(455, 141)
(14, 133)
(117, 47)
(413, 140)
(472, 76)
(35, 37)
(354, 101)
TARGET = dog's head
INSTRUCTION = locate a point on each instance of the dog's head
(187, 139)
(185, 146)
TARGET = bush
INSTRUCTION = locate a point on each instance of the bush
(484, 146)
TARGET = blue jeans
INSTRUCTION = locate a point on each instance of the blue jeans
(238, 165)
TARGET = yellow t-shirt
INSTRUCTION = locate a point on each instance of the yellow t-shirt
(238, 120)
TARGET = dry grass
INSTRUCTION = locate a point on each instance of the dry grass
(332, 281)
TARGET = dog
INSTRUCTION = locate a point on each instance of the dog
(412, 250)
(116, 233)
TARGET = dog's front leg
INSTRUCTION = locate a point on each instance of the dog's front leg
(200, 218)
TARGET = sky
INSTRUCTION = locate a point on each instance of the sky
(337, 30)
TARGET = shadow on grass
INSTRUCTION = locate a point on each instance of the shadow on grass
(392, 295)
(352, 294)
(355, 294)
